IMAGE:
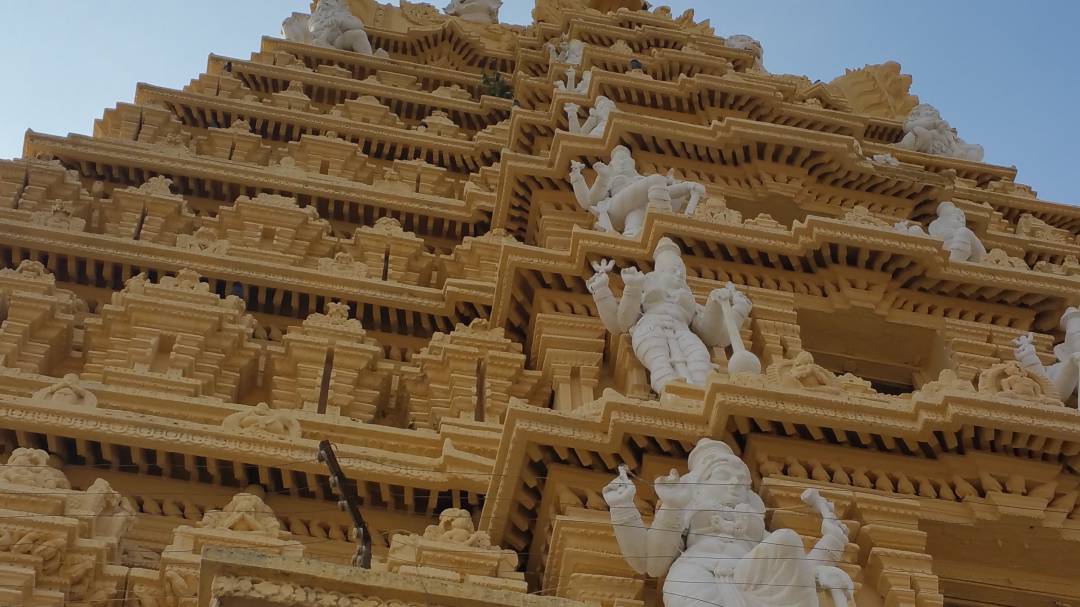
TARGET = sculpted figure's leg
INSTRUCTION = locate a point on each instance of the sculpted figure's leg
(355, 41)
(696, 355)
(689, 584)
(651, 348)
(633, 222)
(633, 196)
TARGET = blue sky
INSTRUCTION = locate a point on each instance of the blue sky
(1002, 72)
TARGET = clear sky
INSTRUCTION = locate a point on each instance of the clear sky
(1003, 72)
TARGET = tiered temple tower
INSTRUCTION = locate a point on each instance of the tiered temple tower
(405, 231)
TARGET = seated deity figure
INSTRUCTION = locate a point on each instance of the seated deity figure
(334, 25)
(708, 538)
(596, 122)
(951, 227)
(475, 11)
(568, 51)
(1065, 373)
(620, 195)
(925, 131)
(669, 331)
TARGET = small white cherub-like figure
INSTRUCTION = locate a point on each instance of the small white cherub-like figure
(475, 11)
(925, 131)
(596, 122)
(620, 196)
(1065, 373)
(951, 227)
(573, 84)
(334, 25)
(709, 542)
(669, 331)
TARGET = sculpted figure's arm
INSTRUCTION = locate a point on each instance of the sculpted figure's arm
(607, 305)
(572, 117)
(630, 305)
(1026, 355)
(630, 530)
(708, 321)
(665, 536)
(590, 123)
(1065, 375)
(834, 533)
(588, 196)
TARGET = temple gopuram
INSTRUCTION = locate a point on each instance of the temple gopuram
(412, 308)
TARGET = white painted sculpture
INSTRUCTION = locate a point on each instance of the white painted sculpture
(572, 84)
(333, 25)
(596, 122)
(669, 331)
(620, 195)
(1065, 373)
(708, 538)
(951, 227)
(567, 51)
(297, 28)
(906, 226)
(925, 131)
(748, 43)
(475, 11)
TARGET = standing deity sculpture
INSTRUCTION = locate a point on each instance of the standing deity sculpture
(669, 331)
(1065, 373)
(620, 196)
(475, 11)
(925, 131)
(596, 122)
(334, 25)
(951, 227)
(708, 538)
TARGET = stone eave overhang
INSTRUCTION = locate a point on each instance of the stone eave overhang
(816, 261)
(734, 148)
(265, 79)
(204, 111)
(458, 301)
(918, 426)
(128, 157)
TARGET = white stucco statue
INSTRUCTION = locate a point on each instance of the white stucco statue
(1065, 373)
(925, 131)
(297, 28)
(573, 84)
(620, 195)
(748, 43)
(568, 51)
(670, 332)
(475, 11)
(709, 538)
(951, 227)
(334, 25)
(598, 117)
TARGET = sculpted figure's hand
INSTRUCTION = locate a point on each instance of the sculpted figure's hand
(598, 282)
(632, 277)
(601, 168)
(571, 108)
(673, 491)
(620, 492)
(1025, 349)
(575, 169)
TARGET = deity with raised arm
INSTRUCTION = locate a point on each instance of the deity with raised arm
(334, 25)
(620, 196)
(596, 122)
(1065, 373)
(925, 131)
(573, 84)
(568, 51)
(475, 11)
(951, 227)
(669, 331)
(708, 538)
